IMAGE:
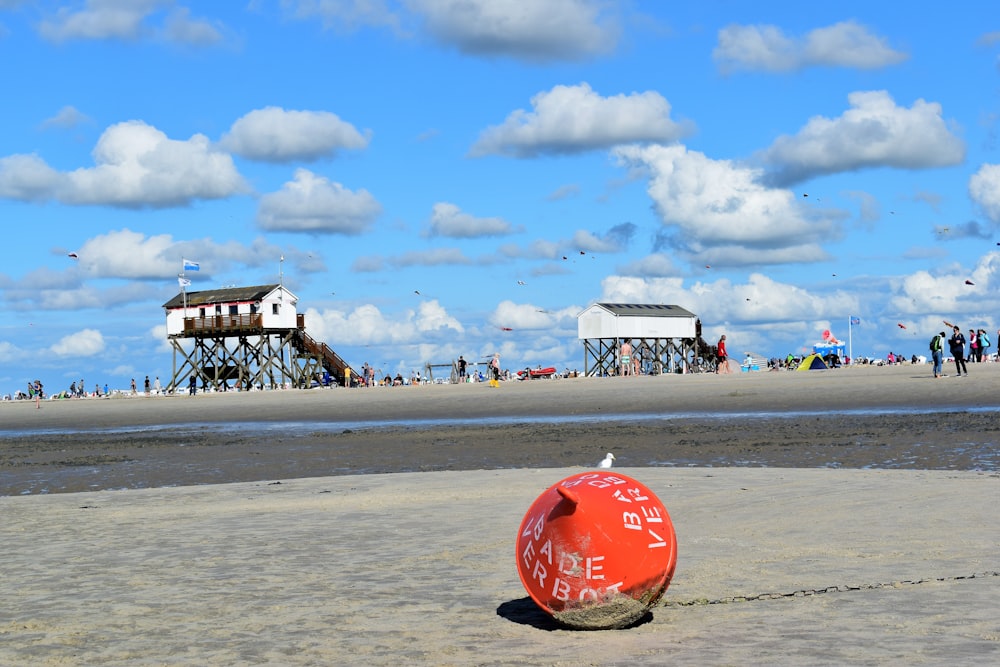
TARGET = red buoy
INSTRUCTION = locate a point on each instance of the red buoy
(596, 551)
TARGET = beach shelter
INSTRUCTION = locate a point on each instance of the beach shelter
(813, 362)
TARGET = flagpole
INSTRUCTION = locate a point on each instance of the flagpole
(850, 337)
(182, 277)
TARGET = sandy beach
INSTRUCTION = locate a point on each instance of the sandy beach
(839, 517)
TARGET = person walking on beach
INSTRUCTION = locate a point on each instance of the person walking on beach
(957, 345)
(38, 394)
(461, 369)
(937, 353)
(722, 363)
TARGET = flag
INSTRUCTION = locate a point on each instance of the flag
(855, 320)
(183, 282)
(191, 266)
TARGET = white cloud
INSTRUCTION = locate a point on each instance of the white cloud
(574, 119)
(429, 257)
(367, 325)
(767, 48)
(346, 14)
(771, 314)
(615, 239)
(27, 178)
(737, 256)
(83, 343)
(128, 20)
(527, 316)
(657, 265)
(368, 264)
(564, 192)
(273, 134)
(136, 166)
(984, 188)
(158, 335)
(67, 117)
(874, 132)
(99, 19)
(716, 204)
(128, 255)
(760, 299)
(869, 208)
(946, 292)
(182, 29)
(989, 38)
(554, 30)
(449, 220)
(532, 31)
(432, 257)
(537, 249)
(9, 352)
(312, 203)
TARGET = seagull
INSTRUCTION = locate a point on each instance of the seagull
(606, 463)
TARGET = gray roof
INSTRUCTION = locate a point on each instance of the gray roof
(222, 295)
(646, 310)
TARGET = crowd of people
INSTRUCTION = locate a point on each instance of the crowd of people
(77, 389)
(974, 349)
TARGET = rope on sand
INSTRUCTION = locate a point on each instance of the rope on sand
(820, 591)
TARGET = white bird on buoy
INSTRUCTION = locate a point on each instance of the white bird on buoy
(607, 461)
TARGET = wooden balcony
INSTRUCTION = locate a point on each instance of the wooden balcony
(246, 323)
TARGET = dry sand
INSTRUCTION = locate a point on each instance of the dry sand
(867, 388)
(777, 565)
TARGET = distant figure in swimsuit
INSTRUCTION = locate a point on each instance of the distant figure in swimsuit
(626, 360)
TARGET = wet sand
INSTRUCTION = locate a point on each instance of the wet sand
(889, 417)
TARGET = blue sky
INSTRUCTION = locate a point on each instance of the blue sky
(448, 177)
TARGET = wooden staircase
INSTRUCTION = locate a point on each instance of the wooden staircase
(333, 363)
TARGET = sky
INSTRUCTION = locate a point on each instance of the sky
(442, 177)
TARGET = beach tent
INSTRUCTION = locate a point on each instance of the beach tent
(813, 362)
